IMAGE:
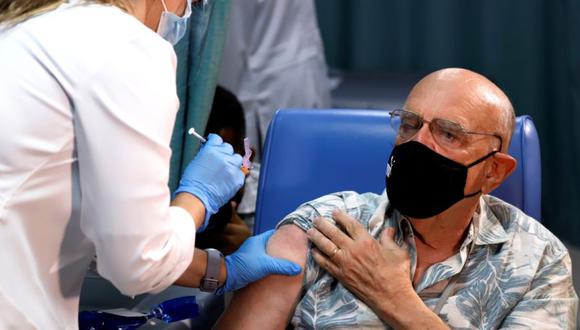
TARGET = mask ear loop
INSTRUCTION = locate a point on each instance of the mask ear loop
(483, 158)
(475, 163)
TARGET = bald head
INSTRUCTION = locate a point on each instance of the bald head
(479, 104)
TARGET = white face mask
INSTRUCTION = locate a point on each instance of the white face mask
(172, 27)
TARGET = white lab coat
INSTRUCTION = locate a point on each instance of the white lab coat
(273, 58)
(87, 107)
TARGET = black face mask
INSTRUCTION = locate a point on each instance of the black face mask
(422, 183)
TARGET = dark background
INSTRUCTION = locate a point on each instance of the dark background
(530, 48)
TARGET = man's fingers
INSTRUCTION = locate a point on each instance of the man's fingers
(387, 235)
(353, 228)
(331, 231)
(387, 238)
(325, 262)
(322, 242)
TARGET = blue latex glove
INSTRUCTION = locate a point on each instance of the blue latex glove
(214, 176)
(251, 262)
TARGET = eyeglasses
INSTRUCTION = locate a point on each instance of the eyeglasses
(446, 133)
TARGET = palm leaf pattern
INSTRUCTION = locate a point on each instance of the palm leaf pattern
(511, 272)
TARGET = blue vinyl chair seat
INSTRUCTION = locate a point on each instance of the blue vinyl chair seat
(313, 152)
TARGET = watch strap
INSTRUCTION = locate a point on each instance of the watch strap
(210, 281)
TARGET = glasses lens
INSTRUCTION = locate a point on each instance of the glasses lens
(405, 123)
(395, 119)
(448, 134)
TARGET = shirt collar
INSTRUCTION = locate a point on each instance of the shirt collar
(491, 230)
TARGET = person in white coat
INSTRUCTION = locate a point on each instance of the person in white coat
(87, 106)
(273, 58)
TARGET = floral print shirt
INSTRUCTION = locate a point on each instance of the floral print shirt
(510, 272)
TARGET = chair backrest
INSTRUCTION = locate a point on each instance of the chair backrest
(313, 152)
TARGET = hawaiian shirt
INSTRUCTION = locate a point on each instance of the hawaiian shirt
(510, 271)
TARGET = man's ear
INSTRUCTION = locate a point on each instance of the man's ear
(502, 167)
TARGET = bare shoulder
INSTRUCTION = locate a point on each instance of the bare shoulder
(289, 242)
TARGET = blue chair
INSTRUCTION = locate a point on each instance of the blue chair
(313, 152)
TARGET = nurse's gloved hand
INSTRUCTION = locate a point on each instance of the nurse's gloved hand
(251, 262)
(214, 176)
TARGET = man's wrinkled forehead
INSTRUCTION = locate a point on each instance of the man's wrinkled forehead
(458, 96)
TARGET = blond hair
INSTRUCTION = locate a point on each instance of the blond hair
(13, 12)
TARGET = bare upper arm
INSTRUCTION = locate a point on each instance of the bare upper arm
(270, 302)
(289, 242)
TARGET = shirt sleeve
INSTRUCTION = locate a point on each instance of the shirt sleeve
(359, 206)
(303, 217)
(124, 116)
(551, 302)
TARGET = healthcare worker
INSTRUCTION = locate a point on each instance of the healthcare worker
(273, 58)
(87, 106)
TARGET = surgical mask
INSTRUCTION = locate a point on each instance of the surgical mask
(172, 27)
(422, 183)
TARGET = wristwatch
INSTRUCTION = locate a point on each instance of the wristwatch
(210, 281)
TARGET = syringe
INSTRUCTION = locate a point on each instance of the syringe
(248, 152)
(194, 133)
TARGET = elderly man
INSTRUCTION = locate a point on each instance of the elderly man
(434, 252)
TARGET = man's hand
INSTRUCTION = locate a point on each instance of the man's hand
(371, 270)
(376, 272)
